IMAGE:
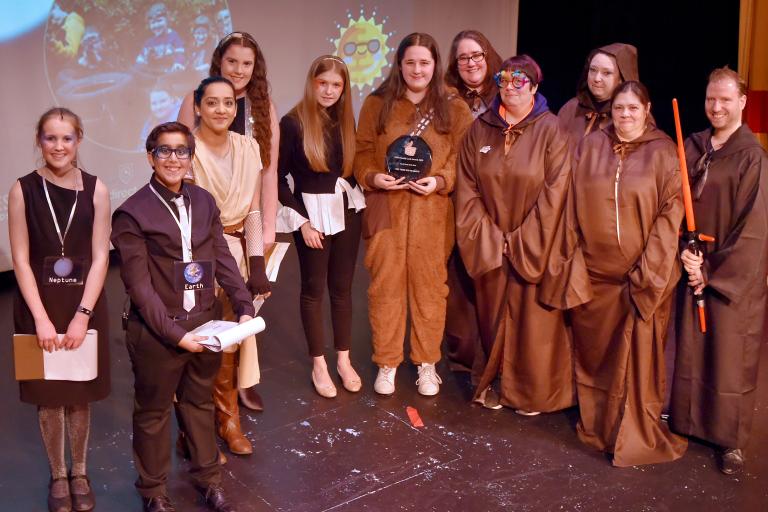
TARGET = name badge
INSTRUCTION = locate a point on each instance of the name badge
(193, 275)
(409, 157)
(63, 271)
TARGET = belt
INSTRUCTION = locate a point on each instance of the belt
(235, 229)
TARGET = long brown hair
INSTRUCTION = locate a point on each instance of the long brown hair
(393, 88)
(492, 61)
(257, 89)
(314, 119)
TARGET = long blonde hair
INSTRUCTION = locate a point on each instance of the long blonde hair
(313, 118)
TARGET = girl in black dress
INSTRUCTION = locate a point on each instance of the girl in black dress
(58, 219)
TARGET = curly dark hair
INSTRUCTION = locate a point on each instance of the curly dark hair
(257, 89)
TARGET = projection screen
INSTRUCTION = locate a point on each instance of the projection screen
(124, 65)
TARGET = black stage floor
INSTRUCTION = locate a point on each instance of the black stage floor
(359, 451)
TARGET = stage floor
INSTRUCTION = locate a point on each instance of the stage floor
(359, 452)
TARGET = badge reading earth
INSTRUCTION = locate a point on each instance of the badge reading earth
(193, 275)
(409, 157)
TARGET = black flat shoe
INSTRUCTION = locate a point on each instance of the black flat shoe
(83, 499)
(59, 499)
(158, 504)
(731, 461)
(215, 499)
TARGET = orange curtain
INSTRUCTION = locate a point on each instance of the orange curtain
(753, 64)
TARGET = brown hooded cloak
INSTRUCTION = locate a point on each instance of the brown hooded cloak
(583, 114)
(713, 391)
(517, 197)
(626, 209)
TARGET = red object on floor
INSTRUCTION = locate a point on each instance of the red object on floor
(413, 415)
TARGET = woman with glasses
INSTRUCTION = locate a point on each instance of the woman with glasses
(471, 62)
(605, 68)
(317, 148)
(513, 175)
(623, 216)
(411, 123)
(239, 59)
(228, 165)
(58, 221)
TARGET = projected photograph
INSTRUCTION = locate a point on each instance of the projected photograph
(125, 65)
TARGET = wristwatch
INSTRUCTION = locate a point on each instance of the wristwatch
(84, 310)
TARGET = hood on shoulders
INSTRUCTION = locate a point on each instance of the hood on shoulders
(493, 118)
(743, 138)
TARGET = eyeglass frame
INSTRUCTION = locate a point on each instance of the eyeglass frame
(365, 44)
(517, 75)
(172, 151)
(464, 60)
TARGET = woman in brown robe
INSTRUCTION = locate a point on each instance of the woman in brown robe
(590, 110)
(513, 174)
(625, 208)
(472, 62)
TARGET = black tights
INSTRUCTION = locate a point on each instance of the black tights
(334, 264)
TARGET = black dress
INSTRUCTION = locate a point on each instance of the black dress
(61, 301)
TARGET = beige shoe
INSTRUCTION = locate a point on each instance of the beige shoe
(354, 384)
(327, 391)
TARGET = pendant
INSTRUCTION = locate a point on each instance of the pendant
(63, 267)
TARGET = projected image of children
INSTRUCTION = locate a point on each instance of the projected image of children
(106, 59)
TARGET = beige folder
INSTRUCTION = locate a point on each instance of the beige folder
(33, 363)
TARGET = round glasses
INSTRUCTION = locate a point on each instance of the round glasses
(518, 79)
(371, 46)
(463, 60)
(165, 152)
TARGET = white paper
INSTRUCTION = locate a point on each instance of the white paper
(275, 258)
(222, 334)
(75, 365)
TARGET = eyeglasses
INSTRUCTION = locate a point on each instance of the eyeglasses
(165, 152)
(463, 60)
(371, 46)
(517, 78)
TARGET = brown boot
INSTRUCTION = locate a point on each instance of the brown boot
(227, 410)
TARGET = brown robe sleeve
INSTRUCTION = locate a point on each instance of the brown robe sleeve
(653, 272)
(530, 243)
(566, 284)
(732, 269)
(480, 239)
(365, 144)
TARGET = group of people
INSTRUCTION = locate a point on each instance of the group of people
(544, 248)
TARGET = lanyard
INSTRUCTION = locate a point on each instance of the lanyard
(53, 214)
(186, 234)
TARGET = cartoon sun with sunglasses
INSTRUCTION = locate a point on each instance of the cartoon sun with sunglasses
(362, 44)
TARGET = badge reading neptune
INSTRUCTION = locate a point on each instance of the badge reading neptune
(362, 44)
(193, 273)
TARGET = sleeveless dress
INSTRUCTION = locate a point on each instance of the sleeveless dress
(61, 301)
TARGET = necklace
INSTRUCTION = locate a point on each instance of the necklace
(63, 266)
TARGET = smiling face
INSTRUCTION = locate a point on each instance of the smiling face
(603, 76)
(724, 104)
(237, 66)
(217, 108)
(59, 143)
(158, 25)
(161, 104)
(472, 73)
(629, 115)
(417, 67)
(170, 171)
(328, 88)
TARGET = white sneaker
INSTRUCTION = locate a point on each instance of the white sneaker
(385, 381)
(429, 381)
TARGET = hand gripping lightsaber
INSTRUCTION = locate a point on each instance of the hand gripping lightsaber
(692, 237)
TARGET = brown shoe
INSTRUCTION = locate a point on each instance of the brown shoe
(731, 461)
(59, 499)
(157, 504)
(215, 499)
(227, 410)
(82, 494)
(251, 399)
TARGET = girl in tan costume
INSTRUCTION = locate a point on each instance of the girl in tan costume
(408, 227)
(228, 165)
